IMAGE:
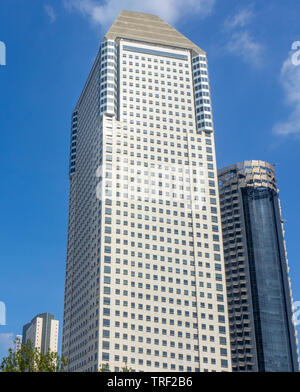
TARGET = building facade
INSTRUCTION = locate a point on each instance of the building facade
(262, 332)
(42, 332)
(145, 282)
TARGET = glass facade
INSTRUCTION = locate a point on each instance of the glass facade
(262, 333)
(266, 277)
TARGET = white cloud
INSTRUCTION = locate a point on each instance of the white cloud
(242, 44)
(290, 81)
(103, 14)
(6, 341)
(240, 19)
(50, 12)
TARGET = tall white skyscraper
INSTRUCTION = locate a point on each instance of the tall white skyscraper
(42, 332)
(145, 281)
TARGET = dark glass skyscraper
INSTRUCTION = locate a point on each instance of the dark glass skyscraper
(259, 290)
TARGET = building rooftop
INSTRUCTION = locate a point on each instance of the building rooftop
(150, 28)
(253, 173)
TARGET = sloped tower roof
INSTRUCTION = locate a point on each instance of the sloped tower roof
(148, 28)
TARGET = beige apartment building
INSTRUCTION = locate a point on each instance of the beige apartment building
(42, 332)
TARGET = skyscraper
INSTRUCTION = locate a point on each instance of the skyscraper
(145, 282)
(42, 332)
(258, 287)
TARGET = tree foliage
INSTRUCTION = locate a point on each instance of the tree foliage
(28, 359)
(127, 369)
(105, 368)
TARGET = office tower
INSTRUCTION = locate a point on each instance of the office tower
(258, 287)
(145, 280)
(18, 342)
(42, 332)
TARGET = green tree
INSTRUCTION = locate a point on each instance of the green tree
(105, 368)
(28, 359)
(126, 369)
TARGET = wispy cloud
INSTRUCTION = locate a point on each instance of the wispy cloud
(242, 44)
(240, 19)
(290, 81)
(240, 41)
(103, 14)
(50, 12)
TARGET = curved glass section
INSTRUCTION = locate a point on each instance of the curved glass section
(267, 269)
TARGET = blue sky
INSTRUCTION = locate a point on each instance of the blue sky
(51, 46)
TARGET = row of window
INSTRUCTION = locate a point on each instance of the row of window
(155, 60)
(105, 357)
